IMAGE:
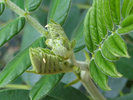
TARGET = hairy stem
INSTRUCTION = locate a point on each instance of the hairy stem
(29, 19)
(90, 87)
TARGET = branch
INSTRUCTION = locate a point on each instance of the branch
(91, 88)
(29, 19)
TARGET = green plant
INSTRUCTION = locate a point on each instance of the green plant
(53, 53)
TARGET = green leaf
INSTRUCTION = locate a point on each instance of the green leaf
(125, 65)
(88, 40)
(98, 76)
(44, 86)
(126, 7)
(127, 21)
(126, 25)
(19, 64)
(117, 85)
(11, 29)
(115, 11)
(117, 46)
(102, 31)
(59, 10)
(106, 66)
(125, 97)
(14, 95)
(31, 5)
(107, 54)
(96, 38)
(2, 7)
(78, 36)
(64, 93)
(50, 98)
(19, 3)
(107, 15)
(125, 29)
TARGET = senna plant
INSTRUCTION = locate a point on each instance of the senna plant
(53, 53)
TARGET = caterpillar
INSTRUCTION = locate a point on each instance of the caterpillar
(44, 61)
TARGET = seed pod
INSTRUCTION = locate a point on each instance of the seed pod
(45, 62)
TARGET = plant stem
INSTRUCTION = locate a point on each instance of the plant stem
(90, 87)
(30, 19)
(17, 86)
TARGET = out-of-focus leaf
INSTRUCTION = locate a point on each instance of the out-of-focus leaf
(125, 65)
(125, 97)
(117, 46)
(59, 10)
(126, 25)
(72, 20)
(107, 15)
(126, 7)
(87, 34)
(95, 36)
(119, 85)
(19, 64)
(19, 3)
(44, 86)
(2, 7)
(115, 11)
(107, 54)
(14, 95)
(32, 5)
(78, 36)
(51, 98)
(69, 77)
(98, 76)
(106, 66)
(11, 29)
(30, 34)
(65, 93)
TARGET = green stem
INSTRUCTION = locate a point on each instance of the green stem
(86, 80)
(90, 87)
(17, 86)
(30, 19)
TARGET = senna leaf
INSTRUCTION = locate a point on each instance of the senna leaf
(11, 29)
(107, 54)
(88, 40)
(127, 21)
(126, 25)
(100, 20)
(31, 5)
(96, 38)
(64, 93)
(115, 11)
(2, 7)
(19, 64)
(125, 29)
(107, 15)
(59, 11)
(44, 86)
(126, 7)
(106, 66)
(98, 76)
(117, 46)
(14, 94)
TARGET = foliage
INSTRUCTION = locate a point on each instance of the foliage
(52, 54)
